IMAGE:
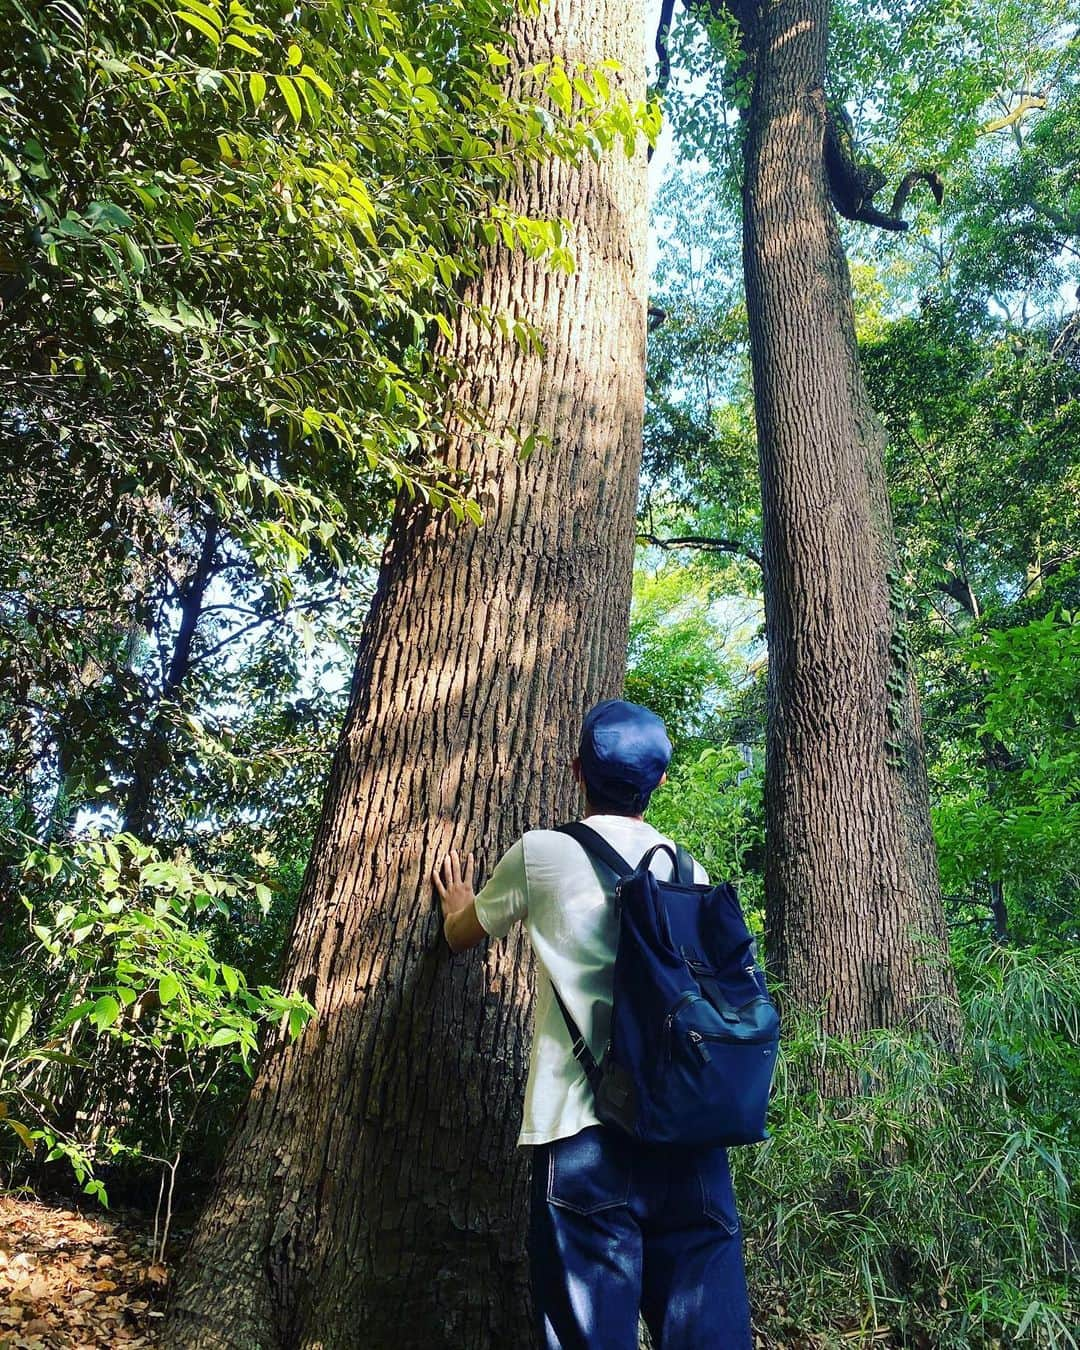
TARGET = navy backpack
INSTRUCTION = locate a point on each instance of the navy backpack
(694, 1033)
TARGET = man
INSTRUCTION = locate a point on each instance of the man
(615, 1225)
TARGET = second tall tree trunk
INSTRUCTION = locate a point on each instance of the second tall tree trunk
(372, 1197)
(853, 899)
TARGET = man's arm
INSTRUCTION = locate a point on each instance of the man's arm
(454, 886)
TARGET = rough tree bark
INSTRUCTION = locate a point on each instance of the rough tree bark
(852, 893)
(372, 1195)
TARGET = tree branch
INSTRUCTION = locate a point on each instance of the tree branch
(710, 543)
(959, 588)
(1047, 569)
(1025, 105)
(663, 58)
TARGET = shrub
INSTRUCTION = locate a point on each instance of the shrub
(122, 1032)
(935, 1209)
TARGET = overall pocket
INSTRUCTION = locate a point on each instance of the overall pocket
(717, 1192)
(589, 1172)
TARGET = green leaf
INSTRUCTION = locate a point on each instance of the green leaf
(242, 44)
(134, 254)
(257, 87)
(73, 227)
(158, 317)
(96, 1188)
(110, 214)
(209, 11)
(17, 1019)
(168, 988)
(201, 25)
(25, 1137)
(105, 1012)
(76, 1014)
(560, 91)
(290, 95)
(57, 1057)
(317, 80)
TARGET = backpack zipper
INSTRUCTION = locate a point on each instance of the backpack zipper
(683, 1001)
(697, 1040)
(670, 1018)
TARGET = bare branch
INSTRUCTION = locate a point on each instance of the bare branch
(663, 31)
(1026, 105)
(709, 543)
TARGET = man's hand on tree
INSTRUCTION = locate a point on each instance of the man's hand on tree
(453, 882)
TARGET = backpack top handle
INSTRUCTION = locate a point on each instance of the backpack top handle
(682, 862)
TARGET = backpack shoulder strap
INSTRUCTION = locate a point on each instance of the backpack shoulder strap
(594, 843)
(596, 846)
(581, 1051)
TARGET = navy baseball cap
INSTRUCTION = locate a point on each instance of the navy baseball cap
(624, 752)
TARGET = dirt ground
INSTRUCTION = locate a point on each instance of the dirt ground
(86, 1280)
(76, 1280)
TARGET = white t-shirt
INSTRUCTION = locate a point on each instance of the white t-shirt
(565, 899)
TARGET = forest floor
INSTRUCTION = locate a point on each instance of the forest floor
(86, 1280)
(73, 1280)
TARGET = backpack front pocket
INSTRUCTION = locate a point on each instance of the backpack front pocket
(712, 1085)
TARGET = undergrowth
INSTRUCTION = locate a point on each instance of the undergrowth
(934, 1210)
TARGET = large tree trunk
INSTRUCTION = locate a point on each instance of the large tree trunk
(372, 1196)
(853, 900)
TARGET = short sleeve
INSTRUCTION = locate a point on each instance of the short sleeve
(505, 898)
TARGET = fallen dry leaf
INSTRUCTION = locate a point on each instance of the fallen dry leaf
(76, 1282)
